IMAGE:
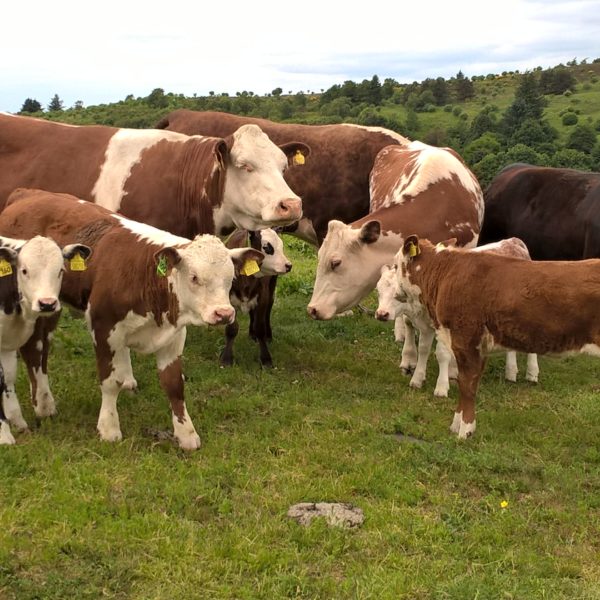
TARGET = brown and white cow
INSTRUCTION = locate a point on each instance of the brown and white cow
(254, 292)
(31, 273)
(479, 301)
(333, 183)
(141, 288)
(419, 188)
(182, 184)
(390, 307)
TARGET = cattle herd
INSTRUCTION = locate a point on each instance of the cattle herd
(130, 228)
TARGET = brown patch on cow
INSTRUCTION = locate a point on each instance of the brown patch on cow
(171, 382)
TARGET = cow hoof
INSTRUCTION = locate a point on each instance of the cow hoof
(532, 378)
(466, 430)
(6, 437)
(416, 383)
(45, 406)
(512, 377)
(189, 443)
(440, 392)
(18, 423)
(266, 364)
(110, 435)
(130, 385)
(406, 370)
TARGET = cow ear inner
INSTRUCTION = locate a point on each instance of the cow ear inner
(370, 232)
(165, 259)
(411, 246)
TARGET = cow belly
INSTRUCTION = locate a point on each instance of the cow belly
(142, 334)
(244, 304)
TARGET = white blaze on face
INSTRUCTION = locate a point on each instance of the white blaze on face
(349, 265)
(202, 281)
(406, 291)
(256, 195)
(40, 266)
(122, 153)
(388, 307)
(275, 261)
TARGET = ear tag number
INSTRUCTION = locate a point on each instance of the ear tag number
(77, 263)
(5, 268)
(413, 250)
(299, 158)
(249, 268)
(161, 267)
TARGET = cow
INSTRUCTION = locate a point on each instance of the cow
(420, 189)
(182, 184)
(389, 307)
(141, 288)
(479, 301)
(556, 212)
(253, 291)
(333, 182)
(31, 272)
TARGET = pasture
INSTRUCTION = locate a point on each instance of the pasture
(513, 512)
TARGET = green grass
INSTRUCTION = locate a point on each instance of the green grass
(143, 520)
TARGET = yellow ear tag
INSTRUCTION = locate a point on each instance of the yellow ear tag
(5, 268)
(299, 158)
(77, 263)
(249, 268)
(413, 250)
(439, 246)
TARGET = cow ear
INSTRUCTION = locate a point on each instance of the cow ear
(246, 261)
(71, 250)
(296, 152)
(411, 246)
(165, 259)
(370, 232)
(9, 255)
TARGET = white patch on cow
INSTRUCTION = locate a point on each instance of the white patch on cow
(6, 437)
(511, 369)
(39, 345)
(395, 136)
(12, 408)
(533, 369)
(466, 429)
(591, 349)
(45, 406)
(185, 432)
(244, 304)
(123, 152)
(151, 235)
(456, 421)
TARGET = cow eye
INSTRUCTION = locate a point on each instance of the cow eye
(195, 279)
(335, 262)
(24, 271)
(268, 248)
(247, 167)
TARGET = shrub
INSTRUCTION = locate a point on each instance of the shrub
(456, 111)
(448, 108)
(570, 119)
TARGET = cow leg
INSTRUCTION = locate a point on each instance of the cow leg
(35, 355)
(129, 382)
(399, 330)
(426, 336)
(231, 331)
(533, 369)
(6, 437)
(511, 369)
(409, 350)
(168, 361)
(260, 317)
(12, 408)
(470, 368)
(271, 300)
(444, 358)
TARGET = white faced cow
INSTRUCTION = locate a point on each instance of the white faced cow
(31, 273)
(390, 306)
(140, 290)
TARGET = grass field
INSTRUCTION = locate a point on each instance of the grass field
(335, 421)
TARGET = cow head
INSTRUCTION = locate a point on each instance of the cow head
(411, 250)
(387, 291)
(256, 195)
(40, 267)
(201, 274)
(348, 268)
(271, 245)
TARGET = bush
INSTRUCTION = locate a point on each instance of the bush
(448, 108)
(570, 119)
(456, 111)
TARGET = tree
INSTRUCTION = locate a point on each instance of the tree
(157, 98)
(478, 149)
(528, 104)
(277, 92)
(440, 91)
(56, 104)
(463, 87)
(582, 138)
(557, 81)
(78, 105)
(31, 106)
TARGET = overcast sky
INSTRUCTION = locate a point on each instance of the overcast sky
(101, 52)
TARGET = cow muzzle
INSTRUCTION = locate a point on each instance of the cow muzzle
(222, 316)
(382, 315)
(289, 210)
(48, 305)
(318, 315)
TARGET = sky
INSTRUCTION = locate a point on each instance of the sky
(101, 52)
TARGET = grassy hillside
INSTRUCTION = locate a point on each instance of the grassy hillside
(335, 421)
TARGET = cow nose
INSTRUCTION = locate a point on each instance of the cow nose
(382, 315)
(47, 304)
(223, 315)
(290, 208)
(288, 267)
(313, 312)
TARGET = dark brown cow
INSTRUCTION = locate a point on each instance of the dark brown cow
(141, 288)
(333, 183)
(556, 212)
(182, 184)
(480, 300)
(255, 293)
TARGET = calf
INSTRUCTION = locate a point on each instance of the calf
(254, 293)
(140, 290)
(390, 307)
(31, 273)
(481, 300)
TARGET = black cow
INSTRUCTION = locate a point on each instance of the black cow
(556, 212)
